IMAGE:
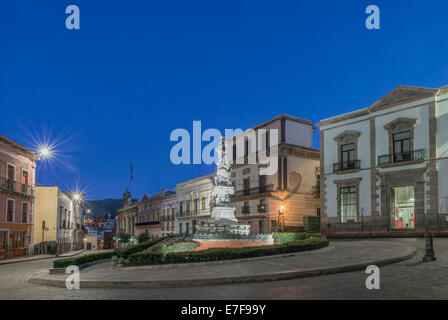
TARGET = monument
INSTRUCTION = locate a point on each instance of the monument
(222, 219)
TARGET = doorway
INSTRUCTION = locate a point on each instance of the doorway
(402, 208)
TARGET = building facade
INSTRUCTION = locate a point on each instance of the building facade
(277, 201)
(126, 217)
(384, 168)
(57, 219)
(192, 203)
(168, 218)
(149, 215)
(17, 180)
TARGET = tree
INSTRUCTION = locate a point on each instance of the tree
(142, 237)
(123, 237)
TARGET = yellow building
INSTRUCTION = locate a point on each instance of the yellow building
(57, 220)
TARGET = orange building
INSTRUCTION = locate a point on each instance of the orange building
(17, 177)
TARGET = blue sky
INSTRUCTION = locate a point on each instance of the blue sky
(112, 92)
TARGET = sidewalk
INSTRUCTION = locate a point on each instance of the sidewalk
(341, 256)
(40, 257)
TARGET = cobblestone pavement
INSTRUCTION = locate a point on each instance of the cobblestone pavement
(410, 279)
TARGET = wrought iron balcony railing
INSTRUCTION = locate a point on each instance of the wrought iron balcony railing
(199, 213)
(346, 165)
(415, 155)
(13, 186)
(245, 209)
(261, 208)
(147, 223)
(252, 191)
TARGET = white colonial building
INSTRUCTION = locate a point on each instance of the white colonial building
(277, 200)
(192, 203)
(384, 167)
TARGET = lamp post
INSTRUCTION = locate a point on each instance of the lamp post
(281, 216)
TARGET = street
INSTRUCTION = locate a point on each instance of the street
(410, 279)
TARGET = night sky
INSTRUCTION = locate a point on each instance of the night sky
(111, 93)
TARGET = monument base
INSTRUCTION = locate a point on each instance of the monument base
(223, 226)
(223, 213)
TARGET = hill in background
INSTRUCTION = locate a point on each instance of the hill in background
(104, 207)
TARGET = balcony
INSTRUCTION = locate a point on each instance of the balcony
(148, 223)
(261, 208)
(245, 209)
(315, 190)
(253, 191)
(186, 214)
(341, 167)
(401, 158)
(13, 186)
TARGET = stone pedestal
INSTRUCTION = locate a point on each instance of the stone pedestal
(223, 213)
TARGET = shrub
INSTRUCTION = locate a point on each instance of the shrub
(126, 252)
(214, 254)
(284, 237)
(143, 237)
(63, 263)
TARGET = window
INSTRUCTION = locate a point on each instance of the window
(348, 197)
(11, 172)
(246, 147)
(25, 177)
(3, 236)
(245, 208)
(203, 203)
(18, 239)
(246, 186)
(188, 205)
(273, 225)
(402, 206)
(268, 144)
(402, 146)
(24, 212)
(347, 153)
(261, 226)
(181, 207)
(263, 183)
(443, 205)
(195, 205)
(10, 183)
(234, 152)
(10, 211)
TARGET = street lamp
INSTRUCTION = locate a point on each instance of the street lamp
(281, 216)
(44, 152)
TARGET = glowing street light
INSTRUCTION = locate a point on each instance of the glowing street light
(44, 152)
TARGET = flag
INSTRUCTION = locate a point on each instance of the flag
(132, 172)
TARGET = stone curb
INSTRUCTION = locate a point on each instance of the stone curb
(225, 280)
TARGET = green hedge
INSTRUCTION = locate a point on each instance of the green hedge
(126, 252)
(284, 237)
(213, 254)
(63, 263)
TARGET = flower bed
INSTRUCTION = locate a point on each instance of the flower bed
(177, 247)
(214, 254)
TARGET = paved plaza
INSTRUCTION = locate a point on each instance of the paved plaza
(410, 279)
